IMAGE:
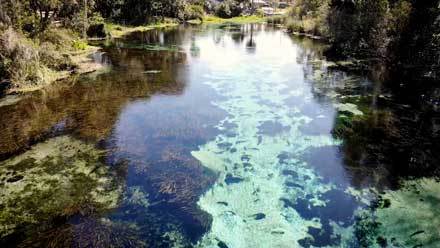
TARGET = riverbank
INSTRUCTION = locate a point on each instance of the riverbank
(210, 19)
(83, 62)
(67, 54)
(29, 63)
(118, 30)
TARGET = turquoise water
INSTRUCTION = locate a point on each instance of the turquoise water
(267, 193)
(216, 136)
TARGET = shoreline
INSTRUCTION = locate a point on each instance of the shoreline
(209, 19)
(118, 30)
(84, 64)
(82, 59)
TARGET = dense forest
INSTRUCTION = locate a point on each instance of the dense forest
(402, 33)
(37, 37)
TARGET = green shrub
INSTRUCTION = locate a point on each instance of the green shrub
(21, 60)
(400, 16)
(59, 37)
(194, 12)
(359, 29)
(96, 18)
(309, 17)
(28, 63)
(52, 58)
(259, 13)
(4, 65)
(295, 26)
(228, 9)
(276, 19)
(79, 45)
(77, 21)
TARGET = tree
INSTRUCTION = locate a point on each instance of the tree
(359, 27)
(44, 11)
(85, 20)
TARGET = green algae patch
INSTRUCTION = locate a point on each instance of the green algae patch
(136, 196)
(348, 107)
(58, 178)
(408, 217)
(262, 179)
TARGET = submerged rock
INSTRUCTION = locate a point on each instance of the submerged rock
(58, 178)
(259, 216)
(230, 179)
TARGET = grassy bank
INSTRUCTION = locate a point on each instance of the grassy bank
(209, 19)
(30, 63)
(82, 62)
(118, 30)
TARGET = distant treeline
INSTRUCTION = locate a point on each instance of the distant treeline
(38, 14)
(402, 33)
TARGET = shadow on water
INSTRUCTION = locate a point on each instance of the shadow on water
(390, 132)
(397, 134)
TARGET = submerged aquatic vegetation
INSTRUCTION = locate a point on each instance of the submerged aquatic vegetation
(348, 107)
(407, 217)
(154, 47)
(265, 195)
(136, 196)
(149, 47)
(99, 233)
(57, 178)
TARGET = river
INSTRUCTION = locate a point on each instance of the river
(219, 136)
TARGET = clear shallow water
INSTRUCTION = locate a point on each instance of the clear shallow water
(218, 136)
